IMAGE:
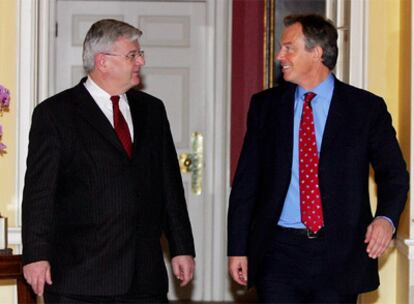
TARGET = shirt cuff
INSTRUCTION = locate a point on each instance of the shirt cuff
(389, 220)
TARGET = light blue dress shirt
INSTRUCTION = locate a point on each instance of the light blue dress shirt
(290, 216)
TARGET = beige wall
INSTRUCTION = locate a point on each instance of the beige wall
(8, 72)
(8, 64)
(404, 130)
(389, 75)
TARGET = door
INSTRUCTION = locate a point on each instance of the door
(175, 44)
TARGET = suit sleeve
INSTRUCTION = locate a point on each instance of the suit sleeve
(40, 187)
(245, 186)
(177, 225)
(387, 160)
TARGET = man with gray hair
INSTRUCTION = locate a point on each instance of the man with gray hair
(103, 183)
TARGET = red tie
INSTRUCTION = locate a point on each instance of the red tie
(121, 126)
(310, 196)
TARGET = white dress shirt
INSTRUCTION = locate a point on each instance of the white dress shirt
(103, 100)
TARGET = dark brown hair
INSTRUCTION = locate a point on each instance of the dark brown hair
(318, 31)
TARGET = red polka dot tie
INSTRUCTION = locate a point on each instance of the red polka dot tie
(121, 126)
(310, 196)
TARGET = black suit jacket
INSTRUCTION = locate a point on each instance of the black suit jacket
(95, 214)
(358, 133)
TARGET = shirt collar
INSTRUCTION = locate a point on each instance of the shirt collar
(95, 89)
(323, 90)
(98, 91)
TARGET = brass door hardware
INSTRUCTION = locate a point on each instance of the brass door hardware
(193, 162)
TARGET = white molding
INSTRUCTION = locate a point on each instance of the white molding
(81, 22)
(405, 247)
(46, 46)
(358, 44)
(209, 178)
(33, 74)
(329, 8)
(219, 16)
(182, 98)
(217, 91)
(169, 23)
(14, 236)
(228, 295)
(26, 87)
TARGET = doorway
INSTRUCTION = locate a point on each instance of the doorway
(188, 112)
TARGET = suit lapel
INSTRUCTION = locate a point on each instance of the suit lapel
(89, 111)
(139, 117)
(285, 126)
(336, 121)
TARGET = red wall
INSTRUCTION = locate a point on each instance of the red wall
(247, 67)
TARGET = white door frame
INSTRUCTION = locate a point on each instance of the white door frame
(36, 26)
(358, 44)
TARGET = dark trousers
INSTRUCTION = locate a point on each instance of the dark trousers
(294, 271)
(53, 298)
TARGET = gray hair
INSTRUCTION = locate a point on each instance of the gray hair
(101, 37)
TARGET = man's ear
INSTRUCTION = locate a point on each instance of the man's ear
(100, 61)
(317, 53)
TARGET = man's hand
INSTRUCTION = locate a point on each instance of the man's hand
(238, 269)
(378, 236)
(36, 274)
(183, 268)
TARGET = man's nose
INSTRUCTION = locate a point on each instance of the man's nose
(280, 55)
(140, 60)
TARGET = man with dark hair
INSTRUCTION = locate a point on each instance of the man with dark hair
(300, 227)
(103, 183)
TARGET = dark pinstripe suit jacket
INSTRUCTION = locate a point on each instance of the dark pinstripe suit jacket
(358, 133)
(96, 215)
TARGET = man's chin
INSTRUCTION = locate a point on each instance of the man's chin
(287, 77)
(135, 81)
